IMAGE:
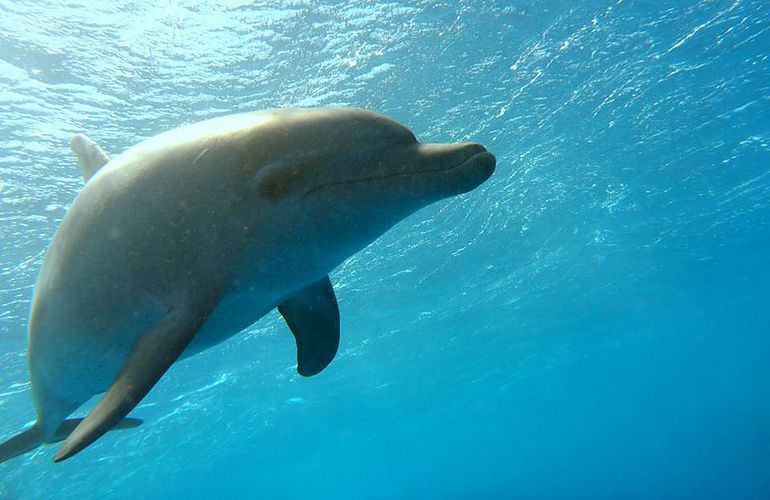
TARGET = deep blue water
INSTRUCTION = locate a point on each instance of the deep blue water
(591, 323)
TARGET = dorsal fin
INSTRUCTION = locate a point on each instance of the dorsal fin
(90, 155)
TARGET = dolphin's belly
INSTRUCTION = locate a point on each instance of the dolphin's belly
(76, 363)
(75, 355)
(235, 312)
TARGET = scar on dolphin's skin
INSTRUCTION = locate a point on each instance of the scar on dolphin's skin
(200, 155)
(191, 236)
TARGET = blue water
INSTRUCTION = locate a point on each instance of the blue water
(590, 323)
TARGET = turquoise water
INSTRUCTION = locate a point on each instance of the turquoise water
(590, 323)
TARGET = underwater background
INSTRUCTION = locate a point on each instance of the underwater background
(593, 322)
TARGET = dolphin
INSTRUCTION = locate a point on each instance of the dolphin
(191, 236)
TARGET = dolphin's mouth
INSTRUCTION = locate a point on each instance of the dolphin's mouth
(478, 158)
(475, 166)
(472, 158)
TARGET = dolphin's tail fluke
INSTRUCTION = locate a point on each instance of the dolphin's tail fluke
(35, 436)
(22, 443)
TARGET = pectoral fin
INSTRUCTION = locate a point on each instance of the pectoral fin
(149, 359)
(314, 319)
(69, 425)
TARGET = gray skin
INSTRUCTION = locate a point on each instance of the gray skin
(191, 236)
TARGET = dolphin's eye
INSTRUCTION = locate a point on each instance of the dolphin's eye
(272, 184)
(285, 177)
(272, 180)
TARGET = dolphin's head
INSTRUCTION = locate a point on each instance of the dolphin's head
(352, 174)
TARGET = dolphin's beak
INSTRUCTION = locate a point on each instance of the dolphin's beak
(476, 156)
(462, 166)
